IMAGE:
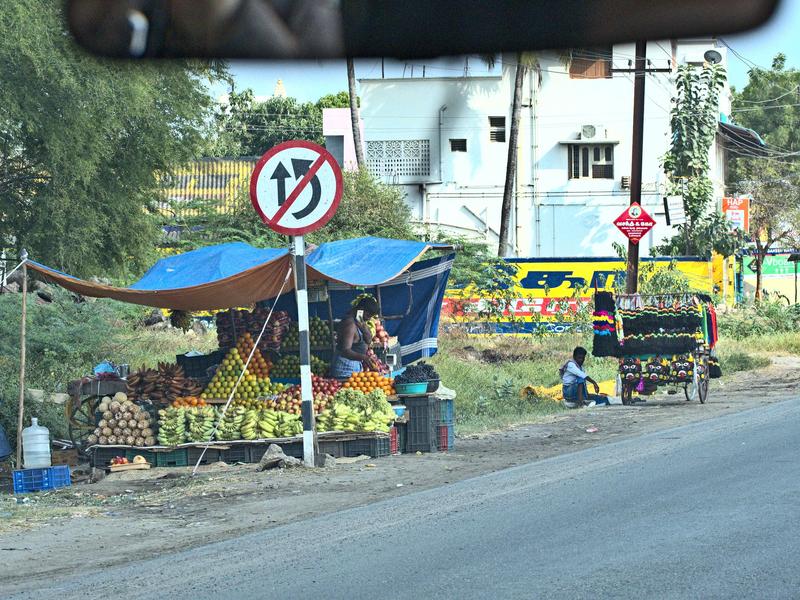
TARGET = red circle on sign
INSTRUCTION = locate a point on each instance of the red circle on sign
(337, 197)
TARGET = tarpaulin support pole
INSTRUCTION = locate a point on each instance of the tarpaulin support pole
(24, 258)
(310, 451)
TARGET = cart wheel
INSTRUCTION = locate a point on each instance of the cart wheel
(627, 394)
(81, 420)
(702, 389)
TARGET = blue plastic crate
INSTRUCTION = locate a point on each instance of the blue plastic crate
(446, 412)
(36, 480)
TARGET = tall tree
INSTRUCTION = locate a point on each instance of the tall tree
(521, 70)
(694, 122)
(83, 141)
(768, 105)
(248, 127)
(355, 118)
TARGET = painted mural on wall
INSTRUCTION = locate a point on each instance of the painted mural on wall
(554, 293)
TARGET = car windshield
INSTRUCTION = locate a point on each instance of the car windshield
(297, 303)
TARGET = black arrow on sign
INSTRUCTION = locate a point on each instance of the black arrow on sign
(301, 167)
(281, 175)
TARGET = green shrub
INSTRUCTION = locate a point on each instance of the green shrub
(761, 318)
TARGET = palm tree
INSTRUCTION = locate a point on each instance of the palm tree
(524, 61)
(354, 115)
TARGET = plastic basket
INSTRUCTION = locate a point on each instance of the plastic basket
(36, 480)
(446, 412)
(422, 421)
(374, 447)
(197, 366)
(445, 438)
(407, 389)
(402, 437)
(211, 456)
(101, 457)
(333, 447)
(148, 455)
(237, 453)
(174, 458)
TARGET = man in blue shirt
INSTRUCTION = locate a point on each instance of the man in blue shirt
(574, 378)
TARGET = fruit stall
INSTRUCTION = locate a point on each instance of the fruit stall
(219, 406)
(661, 341)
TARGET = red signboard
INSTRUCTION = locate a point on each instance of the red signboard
(634, 222)
(737, 211)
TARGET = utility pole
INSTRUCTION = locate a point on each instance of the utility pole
(640, 73)
(632, 277)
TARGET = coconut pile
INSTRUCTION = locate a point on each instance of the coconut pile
(122, 423)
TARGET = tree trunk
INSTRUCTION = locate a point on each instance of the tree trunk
(761, 253)
(511, 164)
(354, 112)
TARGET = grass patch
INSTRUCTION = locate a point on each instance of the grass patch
(489, 373)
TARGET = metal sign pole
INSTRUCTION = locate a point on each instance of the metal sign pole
(301, 293)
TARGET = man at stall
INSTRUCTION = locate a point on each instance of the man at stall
(574, 378)
(353, 338)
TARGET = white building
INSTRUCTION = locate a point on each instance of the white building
(441, 133)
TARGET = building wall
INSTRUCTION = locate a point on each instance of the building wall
(555, 215)
(337, 127)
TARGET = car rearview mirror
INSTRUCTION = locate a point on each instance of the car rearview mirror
(279, 29)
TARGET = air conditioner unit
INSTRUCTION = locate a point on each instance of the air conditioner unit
(699, 55)
(590, 132)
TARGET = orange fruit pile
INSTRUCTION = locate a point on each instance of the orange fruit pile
(187, 401)
(366, 381)
(259, 366)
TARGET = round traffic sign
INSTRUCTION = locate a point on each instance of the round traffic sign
(296, 187)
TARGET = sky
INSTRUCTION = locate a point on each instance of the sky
(308, 81)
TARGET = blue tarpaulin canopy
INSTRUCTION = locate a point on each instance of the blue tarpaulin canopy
(236, 274)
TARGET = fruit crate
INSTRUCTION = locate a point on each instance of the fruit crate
(101, 456)
(423, 413)
(237, 453)
(394, 441)
(373, 447)
(402, 437)
(173, 458)
(148, 455)
(333, 447)
(211, 456)
(446, 438)
(37, 480)
(446, 411)
(197, 366)
(294, 449)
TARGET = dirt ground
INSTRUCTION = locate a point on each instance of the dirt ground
(138, 515)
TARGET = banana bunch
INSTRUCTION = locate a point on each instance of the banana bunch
(250, 425)
(230, 426)
(201, 421)
(268, 424)
(288, 425)
(344, 418)
(171, 426)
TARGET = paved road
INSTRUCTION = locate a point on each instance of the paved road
(704, 511)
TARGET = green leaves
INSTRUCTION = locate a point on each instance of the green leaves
(694, 117)
(81, 142)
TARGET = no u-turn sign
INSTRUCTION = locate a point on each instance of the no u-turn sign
(296, 187)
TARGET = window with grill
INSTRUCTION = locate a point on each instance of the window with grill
(399, 158)
(458, 145)
(497, 129)
(590, 161)
(591, 63)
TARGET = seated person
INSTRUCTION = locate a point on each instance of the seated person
(353, 338)
(574, 378)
